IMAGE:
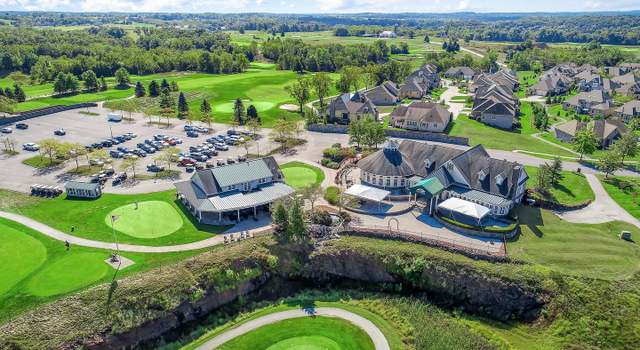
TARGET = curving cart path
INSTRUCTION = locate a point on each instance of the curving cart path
(378, 338)
(74, 240)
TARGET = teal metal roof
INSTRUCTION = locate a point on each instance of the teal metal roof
(239, 173)
(431, 185)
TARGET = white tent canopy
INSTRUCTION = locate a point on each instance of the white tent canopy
(367, 192)
(461, 206)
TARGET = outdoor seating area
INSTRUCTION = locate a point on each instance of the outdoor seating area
(237, 237)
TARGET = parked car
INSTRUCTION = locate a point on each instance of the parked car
(116, 154)
(232, 132)
(107, 143)
(186, 162)
(154, 168)
(59, 132)
(6, 130)
(22, 126)
(230, 160)
(97, 145)
(222, 147)
(33, 147)
(159, 137)
(188, 128)
(220, 162)
(119, 178)
(192, 134)
(190, 168)
(96, 162)
(132, 134)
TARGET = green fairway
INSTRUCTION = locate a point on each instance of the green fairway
(305, 334)
(35, 268)
(299, 175)
(228, 107)
(594, 251)
(69, 273)
(20, 255)
(508, 140)
(625, 191)
(572, 189)
(151, 219)
(164, 222)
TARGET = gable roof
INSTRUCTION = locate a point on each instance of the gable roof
(423, 112)
(602, 128)
(211, 181)
(628, 78)
(592, 97)
(629, 108)
(353, 103)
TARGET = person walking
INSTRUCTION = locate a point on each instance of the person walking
(67, 245)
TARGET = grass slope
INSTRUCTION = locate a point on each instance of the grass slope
(299, 175)
(573, 188)
(304, 333)
(624, 190)
(89, 217)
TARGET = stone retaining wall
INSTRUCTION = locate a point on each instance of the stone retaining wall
(404, 134)
(43, 111)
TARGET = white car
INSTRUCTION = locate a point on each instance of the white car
(96, 162)
(6, 130)
(31, 147)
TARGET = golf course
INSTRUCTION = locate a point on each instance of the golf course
(300, 175)
(151, 219)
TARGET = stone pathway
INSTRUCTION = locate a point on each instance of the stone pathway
(376, 335)
(602, 209)
(73, 240)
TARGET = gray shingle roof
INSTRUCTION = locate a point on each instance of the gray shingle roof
(89, 186)
(248, 171)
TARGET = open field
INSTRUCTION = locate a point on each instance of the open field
(573, 188)
(625, 191)
(494, 138)
(300, 175)
(593, 251)
(164, 222)
(38, 269)
(304, 333)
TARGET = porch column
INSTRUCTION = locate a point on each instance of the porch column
(238, 215)
(199, 216)
(255, 214)
(219, 216)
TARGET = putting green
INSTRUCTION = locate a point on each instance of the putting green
(69, 273)
(299, 175)
(228, 107)
(20, 255)
(308, 333)
(152, 219)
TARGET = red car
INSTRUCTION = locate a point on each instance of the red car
(172, 142)
(187, 161)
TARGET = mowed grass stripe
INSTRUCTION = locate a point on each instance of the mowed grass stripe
(20, 255)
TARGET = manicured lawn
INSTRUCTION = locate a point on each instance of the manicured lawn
(150, 219)
(41, 162)
(573, 188)
(300, 175)
(110, 94)
(494, 138)
(36, 269)
(625, 191)
(527, 79)
(304, 333)
(593, 251)
(90, 218)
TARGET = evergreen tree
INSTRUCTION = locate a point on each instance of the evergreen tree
(205, 108)
(174, 86)
(165, 85)
(252, 112)
(238, 112)
(167, 104)
(9, 93)
(183, 107)
(280, 220)
(139, 90)
(426, 38)
(297, 229)
(543, 181)
(18, 93)
(154, 89)
(556, 171)
(59, 86)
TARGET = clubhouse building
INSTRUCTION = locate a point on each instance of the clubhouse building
(229, 193)
(439, 173)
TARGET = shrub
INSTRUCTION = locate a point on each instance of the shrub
(329, 163)
(332, 195)
(321, 217)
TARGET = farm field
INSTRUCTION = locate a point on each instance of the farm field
(573, 188)
(37, 269)
(175, 227)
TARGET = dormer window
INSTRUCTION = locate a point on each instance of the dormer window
(482, 175)
(427, 163)
(499, 180)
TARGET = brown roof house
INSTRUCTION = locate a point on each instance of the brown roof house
(606, 130)
(629, 110)
(420, 82)
(385, 94)
(591, 102)
(550, 85)
(349, 107)
(463, 73)
(421, 116)
(495, 105)
(504, 77)
(587, 81)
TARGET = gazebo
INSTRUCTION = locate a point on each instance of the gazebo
(431, 188)
(367, 193)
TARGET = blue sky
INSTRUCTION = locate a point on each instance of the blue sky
(320, 6)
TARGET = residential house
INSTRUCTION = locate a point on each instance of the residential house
(462, 73)
(504, 77)
(629, 110)
(349, 107)
(471, 175)
(387, 34)
(227, 193)
(418, 84)
(615, 71)
(626, 79)
(421, 116)
(587, 81)
(385, 94)
(495, 105)
(77, 189)
(591, 102)
(606, 130)
(550, 85)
